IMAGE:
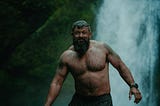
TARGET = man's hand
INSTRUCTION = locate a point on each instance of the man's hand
(134, 91)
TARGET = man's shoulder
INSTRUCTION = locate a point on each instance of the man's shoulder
(65, 56)
(71, 48)
(101, 45)
(97, 43)
(67, 53)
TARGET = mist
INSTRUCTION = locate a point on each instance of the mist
(130, 28)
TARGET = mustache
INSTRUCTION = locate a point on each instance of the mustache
(84, 39)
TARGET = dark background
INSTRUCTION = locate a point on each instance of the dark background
(33, 34)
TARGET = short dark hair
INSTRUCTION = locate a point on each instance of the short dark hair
(80, 24)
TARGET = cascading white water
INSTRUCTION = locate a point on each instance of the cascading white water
(129, 27)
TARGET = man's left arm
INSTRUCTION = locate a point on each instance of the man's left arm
(125, 73)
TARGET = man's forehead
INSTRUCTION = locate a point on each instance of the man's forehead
(81, 28)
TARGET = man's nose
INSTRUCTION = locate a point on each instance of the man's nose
(81, 34)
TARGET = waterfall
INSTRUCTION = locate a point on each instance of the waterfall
(129, 27)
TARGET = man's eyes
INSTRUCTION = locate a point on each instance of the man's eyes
(84, 32)
(77, 33)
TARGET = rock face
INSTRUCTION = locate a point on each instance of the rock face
(33, 34)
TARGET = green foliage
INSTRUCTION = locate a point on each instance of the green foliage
(33, 36)
(19, 19)
(44, 46)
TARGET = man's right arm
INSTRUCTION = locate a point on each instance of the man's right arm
(57, 82)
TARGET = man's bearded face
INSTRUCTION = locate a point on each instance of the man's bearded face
(81, 37)
(81, 45)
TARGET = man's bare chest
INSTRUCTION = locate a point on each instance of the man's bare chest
(94, 60)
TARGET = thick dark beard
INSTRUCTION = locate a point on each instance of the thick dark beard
(81, 47)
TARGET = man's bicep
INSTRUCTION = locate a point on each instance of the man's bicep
(115, 60)
(62, 70)
(113, 57)
(61, 74)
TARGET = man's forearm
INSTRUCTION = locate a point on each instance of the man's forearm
(52, 94)
(126, 74)
(128, 78)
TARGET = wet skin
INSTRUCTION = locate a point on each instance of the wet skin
(90, 70)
